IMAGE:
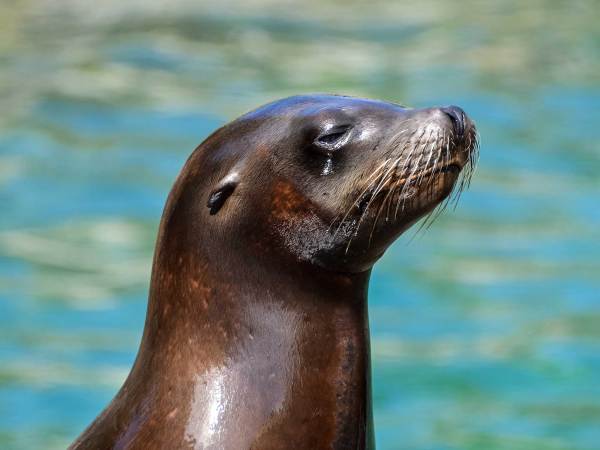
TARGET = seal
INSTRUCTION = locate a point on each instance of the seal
(256, 333)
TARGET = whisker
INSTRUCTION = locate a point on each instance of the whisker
(420, 158)
(372, 180)
(384, 180)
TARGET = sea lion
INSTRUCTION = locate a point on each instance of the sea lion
(256, 334)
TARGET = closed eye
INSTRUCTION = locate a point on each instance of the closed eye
(333, 138)
(330, 138)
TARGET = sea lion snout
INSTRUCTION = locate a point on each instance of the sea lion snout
(452, 134)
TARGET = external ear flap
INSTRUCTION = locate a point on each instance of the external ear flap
(221, 193)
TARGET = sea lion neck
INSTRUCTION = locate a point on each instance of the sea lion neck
(192, 294)
(286, 347)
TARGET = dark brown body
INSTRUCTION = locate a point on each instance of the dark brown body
(284, 365)
(251, 341)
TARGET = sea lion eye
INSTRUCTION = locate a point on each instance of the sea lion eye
(333, 138)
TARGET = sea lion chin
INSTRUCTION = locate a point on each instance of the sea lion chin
(256, 333)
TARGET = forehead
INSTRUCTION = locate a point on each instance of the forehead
(322, 105)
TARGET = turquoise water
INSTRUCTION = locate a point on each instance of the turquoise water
(486, 329)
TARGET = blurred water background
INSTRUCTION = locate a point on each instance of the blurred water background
(486, 329)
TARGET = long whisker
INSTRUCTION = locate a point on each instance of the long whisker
(417, 165)
(384, 180)
(472, 147)
(371, 181)
(379, 210)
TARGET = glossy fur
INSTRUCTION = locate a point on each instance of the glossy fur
(256, 334)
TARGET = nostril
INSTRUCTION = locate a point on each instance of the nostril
(457, 116)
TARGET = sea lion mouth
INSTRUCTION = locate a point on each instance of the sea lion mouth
(453, 168)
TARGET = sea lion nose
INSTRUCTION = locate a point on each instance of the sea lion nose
(458, 118)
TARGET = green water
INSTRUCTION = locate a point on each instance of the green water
(486, 329)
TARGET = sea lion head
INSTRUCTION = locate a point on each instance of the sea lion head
(329, 181)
